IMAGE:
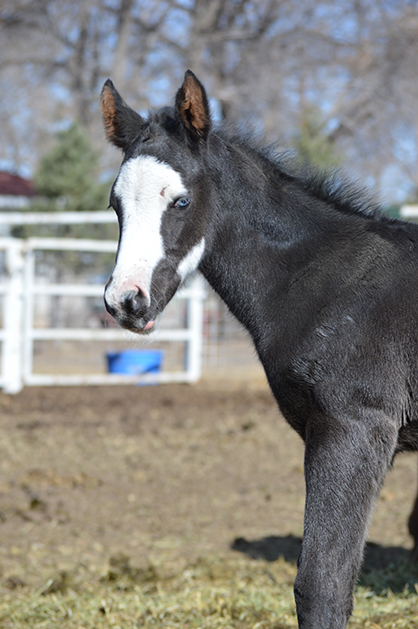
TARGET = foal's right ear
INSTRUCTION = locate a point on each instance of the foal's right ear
(122, 124)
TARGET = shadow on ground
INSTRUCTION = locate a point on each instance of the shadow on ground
(384, 567)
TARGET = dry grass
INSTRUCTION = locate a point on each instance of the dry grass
(233, 593)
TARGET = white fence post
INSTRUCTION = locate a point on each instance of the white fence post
(195, 325)
(13, 313)
(28, 314)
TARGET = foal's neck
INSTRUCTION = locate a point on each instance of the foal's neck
(269, 235)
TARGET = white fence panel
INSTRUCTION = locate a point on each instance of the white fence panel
(18, 336)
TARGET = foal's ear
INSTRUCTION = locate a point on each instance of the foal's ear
(122, 124)
(192, 107)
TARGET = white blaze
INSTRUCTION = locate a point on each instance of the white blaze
(145, 188)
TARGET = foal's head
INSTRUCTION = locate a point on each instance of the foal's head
(159, 197)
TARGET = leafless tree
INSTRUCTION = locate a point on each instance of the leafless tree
(265, 62)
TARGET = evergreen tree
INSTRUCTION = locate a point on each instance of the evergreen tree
(67, 180)
(67, 177)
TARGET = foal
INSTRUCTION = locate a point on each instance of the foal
(326, 286)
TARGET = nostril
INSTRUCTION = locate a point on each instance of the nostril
(134, 301)
(141, 301)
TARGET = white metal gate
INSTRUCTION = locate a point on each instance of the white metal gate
(19, 334)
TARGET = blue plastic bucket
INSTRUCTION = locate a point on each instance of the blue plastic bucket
(133, 362)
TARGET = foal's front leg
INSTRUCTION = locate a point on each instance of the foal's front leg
(345, 464)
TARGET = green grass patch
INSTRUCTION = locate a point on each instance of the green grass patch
(234, 593)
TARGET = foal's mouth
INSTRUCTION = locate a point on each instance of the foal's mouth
(142, 325)
(144, 329)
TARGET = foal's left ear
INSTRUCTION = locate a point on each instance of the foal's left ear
(192, 107)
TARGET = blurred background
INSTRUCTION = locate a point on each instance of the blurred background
(338, 79)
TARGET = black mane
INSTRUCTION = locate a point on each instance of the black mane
(329, 185)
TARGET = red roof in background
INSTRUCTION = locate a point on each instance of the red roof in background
(15, 185)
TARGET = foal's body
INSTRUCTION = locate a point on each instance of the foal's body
(326, 287)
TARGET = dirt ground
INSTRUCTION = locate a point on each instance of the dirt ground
(164, 475)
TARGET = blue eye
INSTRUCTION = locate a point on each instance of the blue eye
(182, 203)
